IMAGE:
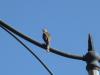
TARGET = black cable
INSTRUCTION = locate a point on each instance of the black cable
(40, 45)
(28, 50)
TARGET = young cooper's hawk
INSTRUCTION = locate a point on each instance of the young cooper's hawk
(47, 39)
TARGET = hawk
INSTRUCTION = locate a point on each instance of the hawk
(47, 39)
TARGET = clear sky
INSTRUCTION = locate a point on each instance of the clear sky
(68, 21)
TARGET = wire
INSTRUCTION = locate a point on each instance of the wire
(40, 45)
(41, 62)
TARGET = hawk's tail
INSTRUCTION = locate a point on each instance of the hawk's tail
(48, 48)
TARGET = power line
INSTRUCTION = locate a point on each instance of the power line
(91, 57)
(53, 50)
(41, 62)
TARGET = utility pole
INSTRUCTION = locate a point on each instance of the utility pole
(91, 58)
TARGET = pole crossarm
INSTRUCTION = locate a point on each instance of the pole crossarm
(55, 51)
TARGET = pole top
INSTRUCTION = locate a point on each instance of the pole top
(90, 43)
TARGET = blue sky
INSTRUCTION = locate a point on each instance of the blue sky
(68, 21)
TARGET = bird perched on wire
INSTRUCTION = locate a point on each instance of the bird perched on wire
(47, 39)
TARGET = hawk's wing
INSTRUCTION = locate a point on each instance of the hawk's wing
(46, 37)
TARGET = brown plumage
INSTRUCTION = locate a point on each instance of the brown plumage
(47, 39)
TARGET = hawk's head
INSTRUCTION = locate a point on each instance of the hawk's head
(45, 30)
